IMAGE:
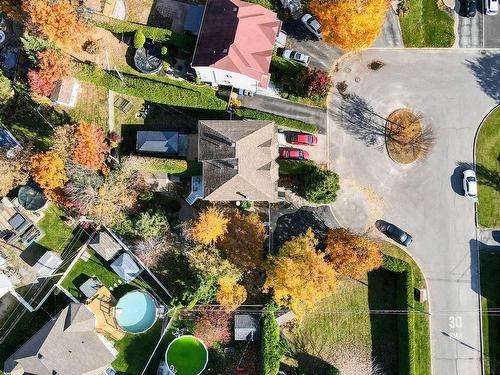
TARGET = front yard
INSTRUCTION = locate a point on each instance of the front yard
(490, 299)
(488, 171)
(360, 342)
(427, 23)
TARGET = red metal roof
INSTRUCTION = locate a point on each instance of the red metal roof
(239, 37)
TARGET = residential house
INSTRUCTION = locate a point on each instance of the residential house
(235, 44)
(66, 92)
(239, 161)
(66, 345)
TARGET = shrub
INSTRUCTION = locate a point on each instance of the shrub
(272, 350)
(179, 40)
(92, 46)
(164, 50)
(279, 120)
(295, 167)
(151, 224)
(321, 186)
(147, 164)
(6, 90)
(139, 39)
(315, 83)
(375, 65)
(167, 91)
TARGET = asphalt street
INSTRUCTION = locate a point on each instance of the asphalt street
(425, 198)
(480, 31)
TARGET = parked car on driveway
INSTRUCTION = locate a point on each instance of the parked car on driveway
(296, 56)
(297, 138)
(293, 153)
(471, 7)
(491, 7)
(398, 235)
(312, 24)
(470, 184)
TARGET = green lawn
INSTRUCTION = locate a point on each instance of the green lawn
(490, 299)
(57, 233)
(135, 350)
(488, 171)
(426, 25)
(98, 267)
(325, 334)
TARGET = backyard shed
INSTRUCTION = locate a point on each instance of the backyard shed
(247, 327)
(47, 264)
(158, 142)
(126, 267)
(66, 92)
(104, 245)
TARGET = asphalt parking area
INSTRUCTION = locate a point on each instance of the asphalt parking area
(492, 31)
(317, 153)
(452, 90)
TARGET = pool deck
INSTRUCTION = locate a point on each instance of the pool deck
(102, 305)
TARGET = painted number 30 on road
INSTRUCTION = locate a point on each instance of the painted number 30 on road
(455, 321)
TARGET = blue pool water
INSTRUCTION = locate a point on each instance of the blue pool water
(136, 312)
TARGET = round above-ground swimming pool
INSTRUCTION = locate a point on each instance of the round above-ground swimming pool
(186, 355)
(136, 311)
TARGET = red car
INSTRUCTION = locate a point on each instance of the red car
(293, 153)
(303, 139)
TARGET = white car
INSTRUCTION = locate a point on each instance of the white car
(470, 184)
(491, 7)
(296, 56)
(312, 24)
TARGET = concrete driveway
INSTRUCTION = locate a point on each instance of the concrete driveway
(424, 199)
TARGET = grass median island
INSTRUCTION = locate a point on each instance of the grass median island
(426, 25)
(488, 171)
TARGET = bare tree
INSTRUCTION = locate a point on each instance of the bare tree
(151, 249)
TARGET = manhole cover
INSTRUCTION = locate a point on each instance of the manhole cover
(357, 79)
(348, 70)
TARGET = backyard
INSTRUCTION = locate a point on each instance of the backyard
(427, 23)
(488, 171)
(390, 343)
(490, 299)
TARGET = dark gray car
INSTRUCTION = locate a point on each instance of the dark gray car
(398, 235)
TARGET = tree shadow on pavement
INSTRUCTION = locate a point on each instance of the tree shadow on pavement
(486, 69)
(360, 120)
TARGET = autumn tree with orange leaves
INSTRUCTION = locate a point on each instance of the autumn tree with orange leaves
(210, 226)
(299, 276)
(91, 147)
(352, 25)
(230, 294)
(244, 243)
(58, 20)
(52, 65)
(351, 254)
(47, 169)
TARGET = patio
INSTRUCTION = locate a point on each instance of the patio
(102, 305)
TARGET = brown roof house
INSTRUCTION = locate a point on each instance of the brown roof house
(235, 44)
(66, 92)
(239, 160)
(67, 345)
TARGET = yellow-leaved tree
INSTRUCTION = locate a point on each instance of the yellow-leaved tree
(351, 254)
(47, 169)
(230, 294)
(352, 25)
(210, 226)
(298, 276)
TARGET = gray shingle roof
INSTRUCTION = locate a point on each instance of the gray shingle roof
(104, 245)
(67, 345)
(247, 327)
(157, 142)
(239, 160)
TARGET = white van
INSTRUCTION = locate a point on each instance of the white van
(491, 7)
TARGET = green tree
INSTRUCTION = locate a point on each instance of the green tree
(321, 186)
(139, 39)
(6, 90)
(207, 261)
(152, 224)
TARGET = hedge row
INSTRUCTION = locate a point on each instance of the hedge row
(272, 350)
(295, 167)
(406, 323)
(179, 40)
(155, 165)
(172, 92)
(279, 120)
